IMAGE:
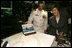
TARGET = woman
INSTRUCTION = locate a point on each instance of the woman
(57, 22)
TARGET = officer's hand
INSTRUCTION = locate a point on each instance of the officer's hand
(44, 31)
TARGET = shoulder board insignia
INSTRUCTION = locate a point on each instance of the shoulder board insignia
(33, 10)
(46, 12)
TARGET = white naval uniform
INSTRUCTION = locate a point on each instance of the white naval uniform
(40, 24)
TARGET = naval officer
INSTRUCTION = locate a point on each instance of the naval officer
(39, 18)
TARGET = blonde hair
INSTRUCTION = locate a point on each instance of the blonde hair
(41, 2)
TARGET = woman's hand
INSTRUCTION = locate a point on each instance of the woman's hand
(57, 31)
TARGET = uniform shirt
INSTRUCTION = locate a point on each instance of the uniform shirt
(40, 23)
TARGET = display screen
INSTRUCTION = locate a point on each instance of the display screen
(27, 28)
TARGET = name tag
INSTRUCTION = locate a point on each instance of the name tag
(36, 15)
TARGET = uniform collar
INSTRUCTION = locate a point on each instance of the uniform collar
(38, 10)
